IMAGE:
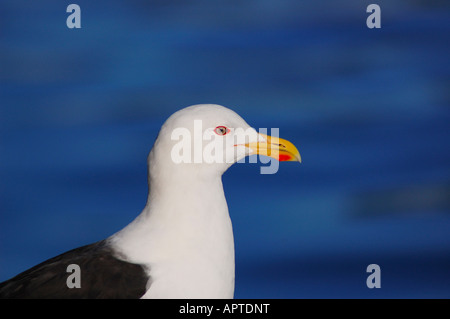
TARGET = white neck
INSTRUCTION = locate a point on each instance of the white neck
(184, 236)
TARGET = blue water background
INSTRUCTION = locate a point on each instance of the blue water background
(367, 108)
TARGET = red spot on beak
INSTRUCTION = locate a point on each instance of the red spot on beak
(284, 157)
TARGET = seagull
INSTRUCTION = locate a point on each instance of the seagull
(181, 245)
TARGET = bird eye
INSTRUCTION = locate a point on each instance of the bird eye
(221, 130)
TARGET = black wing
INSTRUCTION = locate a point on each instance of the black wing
(102, 276)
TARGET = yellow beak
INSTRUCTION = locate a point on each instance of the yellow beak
(276, 148)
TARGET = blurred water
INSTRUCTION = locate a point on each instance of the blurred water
(368, 109)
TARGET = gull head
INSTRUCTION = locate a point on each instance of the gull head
(206, 139)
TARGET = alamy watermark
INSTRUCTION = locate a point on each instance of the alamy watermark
(374, 19)
(223, 145)
(74, 279)
(374, 279)
(73, 21)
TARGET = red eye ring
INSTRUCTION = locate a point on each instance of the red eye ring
(221, 130)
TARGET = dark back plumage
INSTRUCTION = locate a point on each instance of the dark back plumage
(103, 275)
